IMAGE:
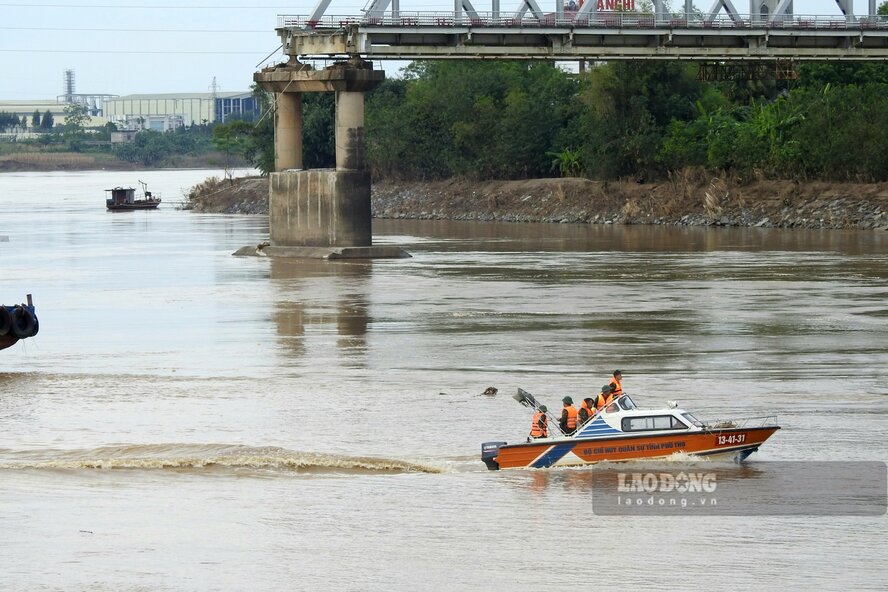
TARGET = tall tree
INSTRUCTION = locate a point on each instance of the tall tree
(464, 118)
(76, 118)
(629, 106)
(35, 119)
(47, 122)
(7, 120)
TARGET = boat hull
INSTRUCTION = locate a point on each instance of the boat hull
(133, 206)
(733, 442)
(8, 341)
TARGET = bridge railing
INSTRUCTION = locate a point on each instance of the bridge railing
(572, 20)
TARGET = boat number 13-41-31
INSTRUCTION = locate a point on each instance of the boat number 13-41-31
(728, 440)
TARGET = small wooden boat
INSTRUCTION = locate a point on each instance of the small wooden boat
(621, 431)
(17, 322)
(124, 199)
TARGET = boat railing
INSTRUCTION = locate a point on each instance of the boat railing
(627, 404)
(757, 421)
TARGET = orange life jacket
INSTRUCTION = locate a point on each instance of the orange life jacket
(539, 429)
(571, 423)
(585, 412)
(619, 390)
(602, 400)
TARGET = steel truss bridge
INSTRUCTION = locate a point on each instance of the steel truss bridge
(770, 31)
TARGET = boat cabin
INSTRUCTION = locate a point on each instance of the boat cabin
(623, 416)
(121, 196)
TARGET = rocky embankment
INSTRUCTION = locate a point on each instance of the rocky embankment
(685, 201)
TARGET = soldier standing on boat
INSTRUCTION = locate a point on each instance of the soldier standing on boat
(617, 382)
(568, 421)
(540, 426)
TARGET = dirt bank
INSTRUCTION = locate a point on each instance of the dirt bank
(688, 200)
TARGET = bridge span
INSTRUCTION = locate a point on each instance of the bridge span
(573, 30)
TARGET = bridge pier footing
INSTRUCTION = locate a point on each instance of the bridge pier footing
(320, 213)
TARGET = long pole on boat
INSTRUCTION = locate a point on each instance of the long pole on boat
(528, 400)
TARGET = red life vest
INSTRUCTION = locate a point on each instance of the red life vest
(539, 429)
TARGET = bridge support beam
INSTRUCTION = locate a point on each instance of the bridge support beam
(320, 213)
(349, 131)
(288, 131)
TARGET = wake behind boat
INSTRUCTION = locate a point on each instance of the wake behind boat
(621, 431)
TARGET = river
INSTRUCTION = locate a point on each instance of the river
(190, 420)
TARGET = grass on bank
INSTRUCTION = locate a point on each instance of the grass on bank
(56, 159)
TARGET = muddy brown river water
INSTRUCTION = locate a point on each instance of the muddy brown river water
(189, 420)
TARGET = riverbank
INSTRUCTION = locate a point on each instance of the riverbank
(41, 161)
(692, 200)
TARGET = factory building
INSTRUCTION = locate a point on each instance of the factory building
(192, 108)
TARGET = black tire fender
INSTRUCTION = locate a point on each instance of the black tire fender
(23, 322)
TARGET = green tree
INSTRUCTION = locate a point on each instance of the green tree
(7, 120)
(842, 136)
(35, 119)
(46, 122)
(74, 128)
(76, 117)
(816, 75)
(883, 9)
(629, 106)
(473, 119)
(233, 138)
(318, 141)
(148, 148)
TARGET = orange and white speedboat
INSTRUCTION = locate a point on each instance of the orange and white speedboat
(621, 431)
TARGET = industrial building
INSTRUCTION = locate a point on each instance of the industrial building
(193, 108)
(158, 112)
(27, 109)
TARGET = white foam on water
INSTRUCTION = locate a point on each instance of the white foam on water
(206, 456)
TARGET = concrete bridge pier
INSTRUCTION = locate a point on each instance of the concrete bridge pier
(320, 213)
(288, 131)
(350, 131)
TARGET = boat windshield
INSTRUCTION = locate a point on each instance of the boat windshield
(692, 419)
(626, 403)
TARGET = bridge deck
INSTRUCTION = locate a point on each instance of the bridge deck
(594, 36)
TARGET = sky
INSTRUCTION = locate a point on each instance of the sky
(123, 47)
